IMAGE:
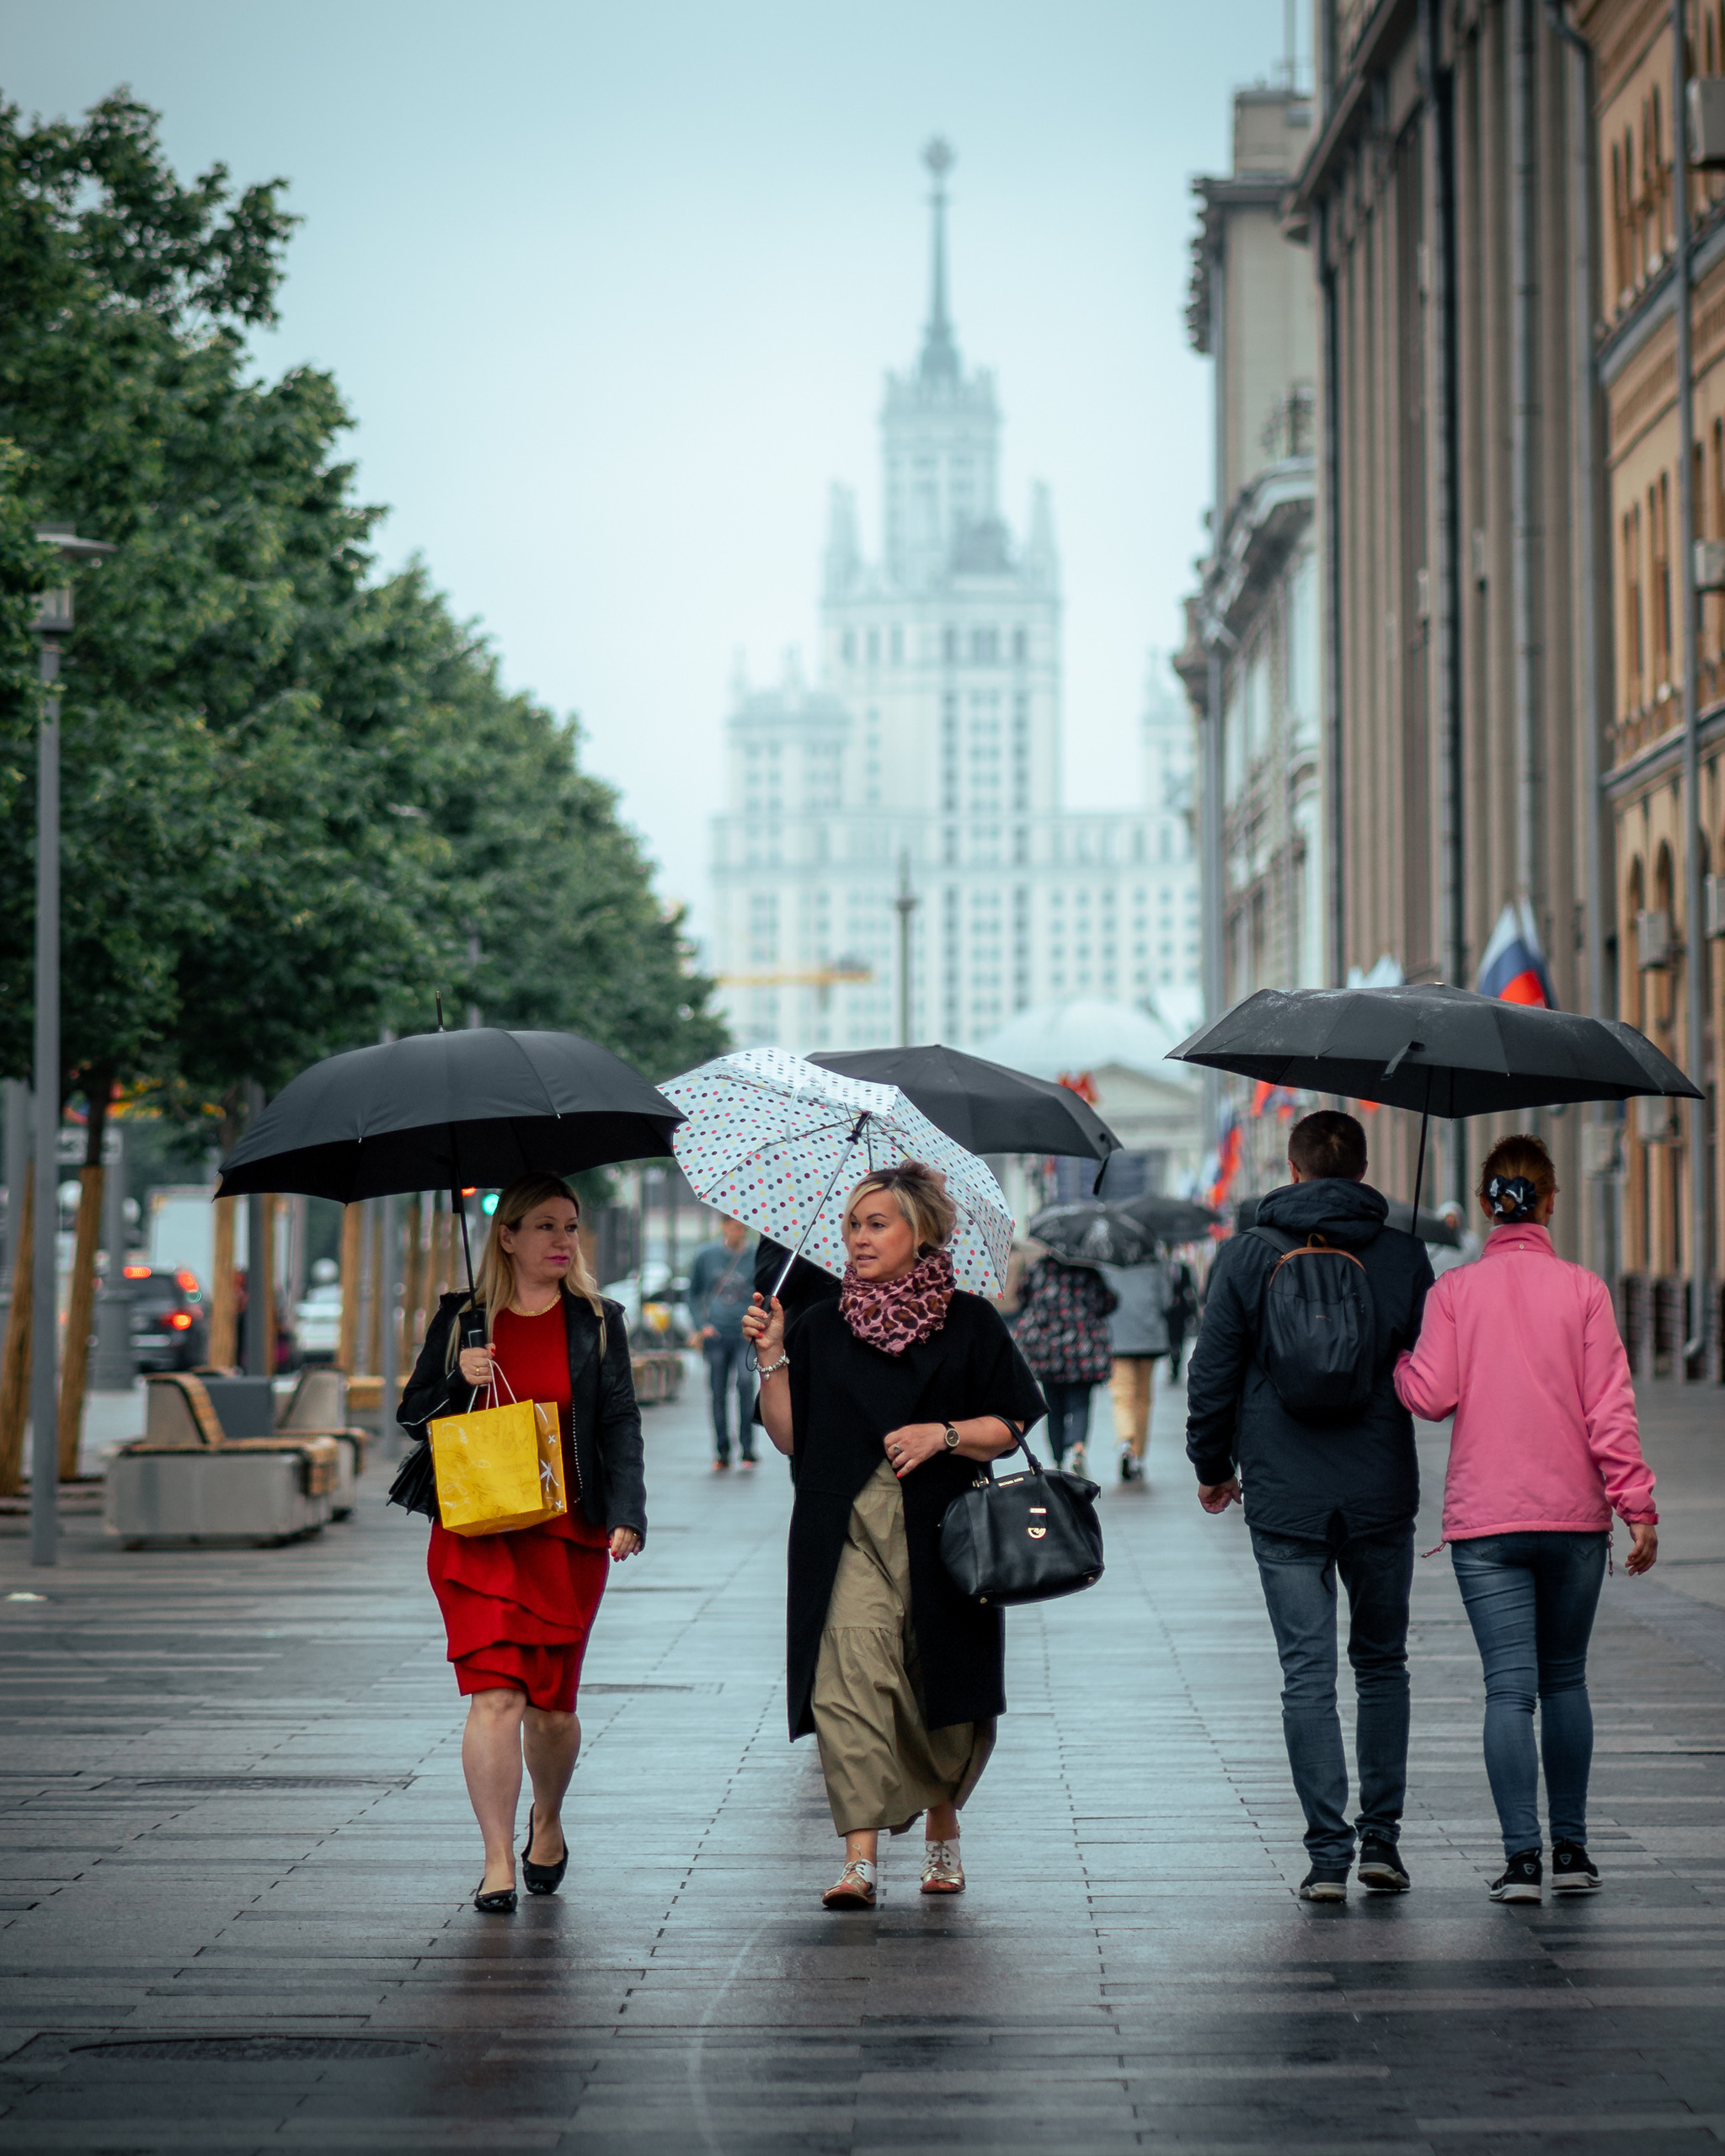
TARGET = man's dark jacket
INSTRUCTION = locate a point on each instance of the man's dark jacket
(1325, 1481)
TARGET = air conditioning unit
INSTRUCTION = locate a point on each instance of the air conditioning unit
(1713, 905)
(1709, 564)
(1706, 119)
(1652, 941)
(1600, 1155)
(1655, 1119)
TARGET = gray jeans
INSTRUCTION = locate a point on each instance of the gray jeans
(1299, 1579)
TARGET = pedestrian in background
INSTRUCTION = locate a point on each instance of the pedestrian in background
(518, 1608)
(1523, 1349)
(889, 1402)
(1182, 1313)
(721, 1285)
(1323, 1497)
(1138, 1338)
(1062, 1332)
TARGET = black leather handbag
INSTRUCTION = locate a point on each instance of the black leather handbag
(1029, 1538)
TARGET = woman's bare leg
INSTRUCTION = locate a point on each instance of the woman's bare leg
(940, 1823)
(861, 1845)
(491, 1760)
(551, 1743)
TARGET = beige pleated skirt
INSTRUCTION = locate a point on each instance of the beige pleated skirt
(884, 1764)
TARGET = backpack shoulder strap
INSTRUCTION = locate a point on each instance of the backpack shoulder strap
(1278, 1242)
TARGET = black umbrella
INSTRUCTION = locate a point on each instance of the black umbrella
(447, 1111)
(983, 1106)
(1433, 1228)
(1170, 1220)
(1443, 1051)
(1088, 1233)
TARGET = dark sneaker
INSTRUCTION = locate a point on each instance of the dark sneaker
(1573, 1871)
(1381, 1866)
(1521, 1880)
(1320, 1885)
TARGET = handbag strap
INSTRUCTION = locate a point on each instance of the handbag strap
(1036, 1465)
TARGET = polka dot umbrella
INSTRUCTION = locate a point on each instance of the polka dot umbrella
(775, 1140)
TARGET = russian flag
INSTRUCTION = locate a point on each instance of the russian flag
(1514, 967)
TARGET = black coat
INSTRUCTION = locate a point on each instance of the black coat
(845, 1397)
(604, 1418)
(1317, 1480)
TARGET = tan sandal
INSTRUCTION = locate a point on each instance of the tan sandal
(854, 1888)
(942, 1871)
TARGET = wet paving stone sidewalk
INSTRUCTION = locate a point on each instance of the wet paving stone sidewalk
(236, 1860)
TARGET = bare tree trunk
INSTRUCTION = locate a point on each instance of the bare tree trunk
(352, 1220)
(412, 1285)
(380, 1295)
(223, 1347)
(80, 1311)
(15, 1358)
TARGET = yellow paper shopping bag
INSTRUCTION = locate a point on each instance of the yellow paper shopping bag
(498, 1468)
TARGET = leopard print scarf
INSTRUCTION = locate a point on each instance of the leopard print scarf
(895, 1314)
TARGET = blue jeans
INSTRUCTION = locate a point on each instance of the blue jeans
(1530, 1599)
(1068, 1414)
(1299, 1579)
(730, 1367)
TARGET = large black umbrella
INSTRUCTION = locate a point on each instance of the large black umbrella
(984, 1107)
(1170, 1220)
(448, 1110)
(1089, 1233)
(1442, 1051)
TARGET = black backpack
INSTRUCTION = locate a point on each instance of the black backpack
(1318, 1338)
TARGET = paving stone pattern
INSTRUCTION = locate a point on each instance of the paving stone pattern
(238, 1857)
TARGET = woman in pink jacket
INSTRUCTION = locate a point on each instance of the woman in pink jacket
(1522, 1348)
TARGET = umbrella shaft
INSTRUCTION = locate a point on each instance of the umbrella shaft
(784, 1270)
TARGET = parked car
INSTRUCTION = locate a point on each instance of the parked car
(170, 1326)
(656, 1306)
(318, 1322)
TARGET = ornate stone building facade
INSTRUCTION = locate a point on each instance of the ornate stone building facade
(908, 806)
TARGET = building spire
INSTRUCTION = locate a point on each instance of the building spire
(940, 355)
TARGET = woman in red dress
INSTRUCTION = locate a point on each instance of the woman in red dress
(518, 1608)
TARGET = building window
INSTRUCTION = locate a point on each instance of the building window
(1659, 532)
(1021, 645)
(898, 645)
(949, 646)
(848, 646)
(1634, 625)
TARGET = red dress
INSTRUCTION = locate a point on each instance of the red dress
(518, 1608)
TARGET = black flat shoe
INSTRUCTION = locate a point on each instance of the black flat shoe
(502, 1903)
(542, 1878)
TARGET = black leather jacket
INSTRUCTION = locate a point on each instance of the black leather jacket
(604, 1419)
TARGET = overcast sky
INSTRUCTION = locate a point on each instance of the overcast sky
(610, 291)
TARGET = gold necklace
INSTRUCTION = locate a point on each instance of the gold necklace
(541, 1309)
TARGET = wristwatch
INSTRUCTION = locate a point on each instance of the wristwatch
(952, 1438)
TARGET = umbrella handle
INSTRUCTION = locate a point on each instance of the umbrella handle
(460, 1208)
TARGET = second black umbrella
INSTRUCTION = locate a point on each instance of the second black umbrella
(983, 1106)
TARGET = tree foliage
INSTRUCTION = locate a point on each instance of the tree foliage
(294, 794)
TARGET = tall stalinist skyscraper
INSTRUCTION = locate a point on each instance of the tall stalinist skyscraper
(925, 764)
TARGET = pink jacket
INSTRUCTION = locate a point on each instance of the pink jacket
(1522, 1348)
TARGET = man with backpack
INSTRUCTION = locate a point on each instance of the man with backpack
(1290, 1394)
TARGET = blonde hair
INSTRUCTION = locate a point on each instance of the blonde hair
(494, 1282)
(921, 1195)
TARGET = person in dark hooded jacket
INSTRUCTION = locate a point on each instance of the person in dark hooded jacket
(1322, 1499)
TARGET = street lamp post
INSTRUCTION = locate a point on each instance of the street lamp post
(53, 621)
(905, 904)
